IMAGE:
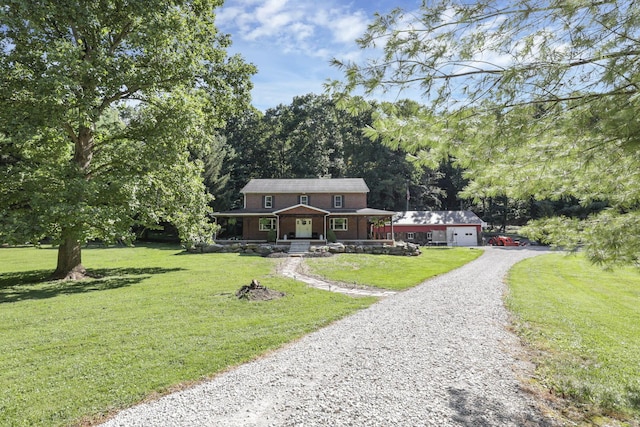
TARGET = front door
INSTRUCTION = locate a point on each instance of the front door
(303, 228)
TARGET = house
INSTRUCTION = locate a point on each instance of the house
(451, 228)
(310, 209)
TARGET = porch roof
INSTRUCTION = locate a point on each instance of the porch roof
(300, 207)
(332, 212)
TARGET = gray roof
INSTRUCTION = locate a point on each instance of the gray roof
(319, 185)
(436, 218)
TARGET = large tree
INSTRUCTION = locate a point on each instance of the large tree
(534, 98)
(100, 105)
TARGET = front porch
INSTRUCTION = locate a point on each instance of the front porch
(302, 222)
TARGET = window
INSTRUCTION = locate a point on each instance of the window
(267, 224)
(411, 235)
(338, 224)
(304, 200)
(337, 201)
(268, 202)
(429, 235)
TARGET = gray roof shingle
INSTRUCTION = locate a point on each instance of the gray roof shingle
(319, 185)
(436, 218)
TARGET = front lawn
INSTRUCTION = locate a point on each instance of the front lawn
(584, 324)
(390, 271)
(157, 319)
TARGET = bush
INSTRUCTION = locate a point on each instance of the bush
(331, 236)
(271, 236)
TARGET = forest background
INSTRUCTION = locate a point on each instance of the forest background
(312, 137)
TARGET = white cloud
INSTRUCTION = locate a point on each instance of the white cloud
(347, 28)
(270, 8)
(286, 23)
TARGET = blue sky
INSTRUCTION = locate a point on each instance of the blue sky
(292, 41)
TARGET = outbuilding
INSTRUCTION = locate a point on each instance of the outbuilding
(450, 228)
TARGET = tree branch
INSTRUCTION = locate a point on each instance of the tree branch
(115, 41)
(70, 132)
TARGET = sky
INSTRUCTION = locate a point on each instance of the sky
(293, 41)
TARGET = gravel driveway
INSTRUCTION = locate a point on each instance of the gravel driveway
(435, 355)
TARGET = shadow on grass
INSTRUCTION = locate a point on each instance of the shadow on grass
(35, 284)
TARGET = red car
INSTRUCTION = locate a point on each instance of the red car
(503, 241)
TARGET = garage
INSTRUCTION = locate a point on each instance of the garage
(434, 228)
(462, 236)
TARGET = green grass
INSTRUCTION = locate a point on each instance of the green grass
(73, 351)
(389, 271)
(586, 324)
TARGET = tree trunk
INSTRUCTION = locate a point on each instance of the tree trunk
(69, 261)
(69, 253)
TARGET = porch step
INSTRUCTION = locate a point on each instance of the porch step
(299, 248)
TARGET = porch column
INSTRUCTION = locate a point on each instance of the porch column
(393, 236)
(325, 227)
(277, 227)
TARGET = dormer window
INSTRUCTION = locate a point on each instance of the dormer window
(304, 199)
(337, 201)
(268, 202)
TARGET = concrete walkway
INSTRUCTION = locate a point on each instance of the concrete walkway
(291, 268)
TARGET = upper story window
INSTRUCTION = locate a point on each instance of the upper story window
(337, 201)
(304, 199)
(268, 202)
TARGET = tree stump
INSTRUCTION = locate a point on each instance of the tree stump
(256, 292)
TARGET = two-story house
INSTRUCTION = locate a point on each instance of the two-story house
(304, 209)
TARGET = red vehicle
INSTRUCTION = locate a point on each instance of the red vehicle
(503, 241)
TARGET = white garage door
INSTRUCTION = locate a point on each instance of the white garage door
(462, 236)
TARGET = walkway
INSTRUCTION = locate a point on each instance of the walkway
(291, 268)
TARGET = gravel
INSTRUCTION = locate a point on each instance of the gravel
(439, 354)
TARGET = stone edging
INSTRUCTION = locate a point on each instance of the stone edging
(265, 249)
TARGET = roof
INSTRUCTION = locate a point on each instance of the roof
(436, 218)
(298, 186)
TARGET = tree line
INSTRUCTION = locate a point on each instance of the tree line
(312, 138)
